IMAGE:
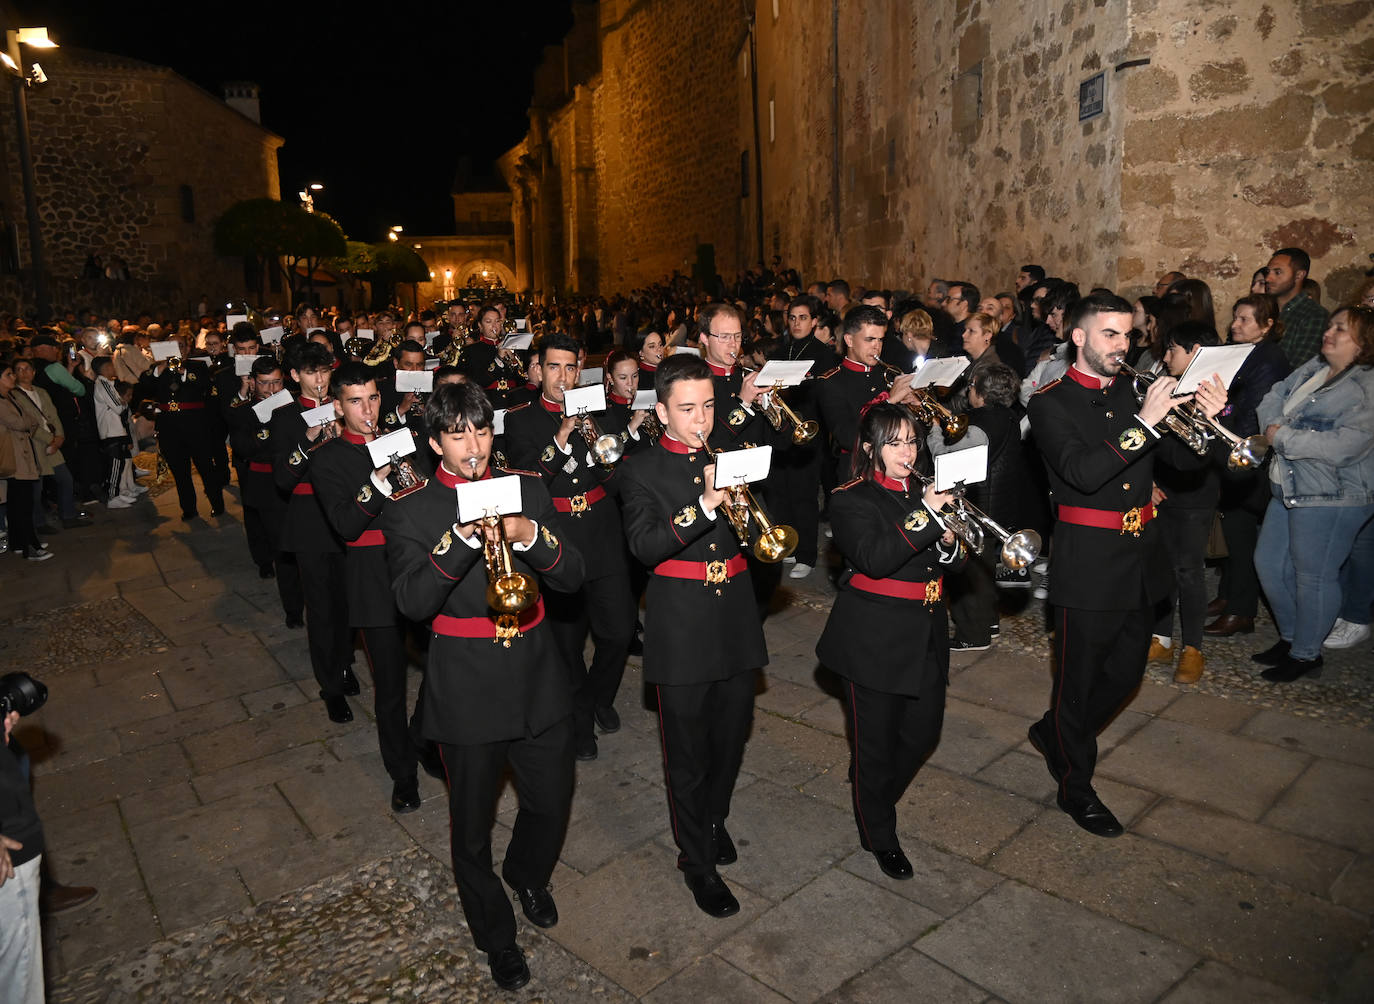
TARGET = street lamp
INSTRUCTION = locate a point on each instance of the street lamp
(38, 39)
(394, 234)
(307, 195)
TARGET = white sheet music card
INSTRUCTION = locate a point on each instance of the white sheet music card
(498, 422)
(203, 360)
(590, 376)
(243, 365)
(394, 444)
(961, 467)
(1224, 360)
(590, 398)
(272, 335)
(494, 496)
(520, 323)
(429, 338)
(940, 372)
(167, 349)
(739, 466)
(311, 331)
(517, 342)
(644, 400)
(233, 319)
(414, 382)
(264, 408)
(365, 333)
(686, 350)
(431, 365)
(783, 372)
(322, 415)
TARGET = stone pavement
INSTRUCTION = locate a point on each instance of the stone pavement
(244, 850)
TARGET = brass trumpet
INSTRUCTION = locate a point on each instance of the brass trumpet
(776, 540)
(928, 410)
(777, 411)
(1188, 422)
(381, 351)
(651, 427)
(971, 525)
(606, 448)
(508, 591)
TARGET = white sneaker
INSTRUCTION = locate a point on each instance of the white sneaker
(140, 490)
(1346, 634)
(1041, 567)
(789, 560)
(1041, 592)
(119, 502)
(799, 571)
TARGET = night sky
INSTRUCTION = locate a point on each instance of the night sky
(377, 110)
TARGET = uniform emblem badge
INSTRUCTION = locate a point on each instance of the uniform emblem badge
(737, 417)
(297, 458)
(366, 494)
(190, 374)
(445, 542)
(547, 455)
(687, 517)
(548, 536)
(918, 520)
(932, 596)
(715, 572)
(1132, 439)
(578, 504)
(264, 433)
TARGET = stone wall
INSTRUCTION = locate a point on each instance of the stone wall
(1251, 129)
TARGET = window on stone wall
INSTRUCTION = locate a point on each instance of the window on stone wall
(968, 102)
(744, 174)
(188, 204)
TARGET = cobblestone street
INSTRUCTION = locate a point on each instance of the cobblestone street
(244, 849)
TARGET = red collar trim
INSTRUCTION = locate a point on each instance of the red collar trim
(552, 407)
(451, 480)
(850, 364)
(617, 399)
(310, 402)
(484, 338)
(718, 370)
(1089, 380)
(674, 445)
(891, 484)
(647, 366)
(353, 437)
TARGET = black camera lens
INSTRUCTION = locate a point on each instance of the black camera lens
(22, 693)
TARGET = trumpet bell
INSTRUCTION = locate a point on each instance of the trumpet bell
(512, 593)
(805, 432)
(955, 426)
(1021, 549)
(775, 543)
(607, 449)
(1248, 454)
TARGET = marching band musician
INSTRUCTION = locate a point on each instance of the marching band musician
(1110, 567)
(307, 533)
(622, 383)
(541, 438)
(353, 492)
(222, 377)
(484, 364)
(649, 347)
(887, 634)
(183, 393)
(703, 639)
(489, 703)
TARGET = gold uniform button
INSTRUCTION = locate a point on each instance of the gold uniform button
(1126, 486)
(718, 592)
(696, 481)
(713, 547)
(1109, 414)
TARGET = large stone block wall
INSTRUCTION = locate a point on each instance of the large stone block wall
(1251, 129)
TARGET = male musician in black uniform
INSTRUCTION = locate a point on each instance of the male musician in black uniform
(539, 437)
(221, 369)
(264, 507)
(353, 491)
(703, 639)
(496, 692)
(184, 394)
(483, 363)
(307, 533)
(1110, 567)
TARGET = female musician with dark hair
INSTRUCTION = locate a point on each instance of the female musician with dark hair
(887, 634)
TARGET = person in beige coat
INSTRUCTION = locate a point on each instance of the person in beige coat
(48, 440)
(19, 465)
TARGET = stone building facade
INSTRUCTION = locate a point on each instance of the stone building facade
(135, 162)
(900, 140)
(480, 253)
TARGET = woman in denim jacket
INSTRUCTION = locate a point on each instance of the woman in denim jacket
(1320, 420)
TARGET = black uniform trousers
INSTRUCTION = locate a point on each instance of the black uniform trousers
(604, 606)
(326, 618)
(973, 599)
(703, 727)
(542, 770)
(1101, 656)
(385, 648)
(794, 486)
(183, 444)
(263, 531)
(890, 736)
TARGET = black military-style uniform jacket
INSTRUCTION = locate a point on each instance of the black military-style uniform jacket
(616, 419)
(184, 399)
(700, 628)
(737, 427)
(251, 442)
(802, 398)
(1100, 456)
(840, 393)
(482, 364)
(341, 471)
(582, 490)
(227, 384)
(478, 689)
(305, 529)
(646, 376)
(889, 613)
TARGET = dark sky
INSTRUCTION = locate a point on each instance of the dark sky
(377, 102)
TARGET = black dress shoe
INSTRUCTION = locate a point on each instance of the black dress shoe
(295, 621)
(607, 719)
(338, 709)
(725, 847)
(405, 796)
(1043, 750)
(539, 906)
(585, 747)
(1274, 654)
(266, 571)
(508, 968)
(350, 684)
(1093, 816)
(894, 864)
(1293, 669)
(713, 896)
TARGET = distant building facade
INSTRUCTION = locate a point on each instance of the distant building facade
(480, 253)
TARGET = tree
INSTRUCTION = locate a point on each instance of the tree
(273, 234)
(383, 264)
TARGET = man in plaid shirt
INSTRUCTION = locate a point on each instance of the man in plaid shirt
(1304, 319)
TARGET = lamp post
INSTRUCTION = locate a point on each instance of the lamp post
(38, 38)
(307, 195)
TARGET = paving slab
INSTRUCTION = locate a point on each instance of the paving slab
(1310, 735)
(1210, 711)
(1332, 801)
(784, 838)
(711, 978)
(251, 738)
(787, 699)
(801, 959)
(147, 806)
(1024, 945)
(941, 882)
(1247, 922)
(611, 814)
(201, 681)
(1201, 766)
(1355, 886)
(960, 815)
(106, 780)
(974, 736)
(1009, 682)
(258, 773)
(790, 753)
(1213, 983)
(907, 975)
(180, 725)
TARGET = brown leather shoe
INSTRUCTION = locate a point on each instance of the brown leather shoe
(1160, 653)
(1190, 666)
(1216, 607)
(54, 897)
(1229, 624)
